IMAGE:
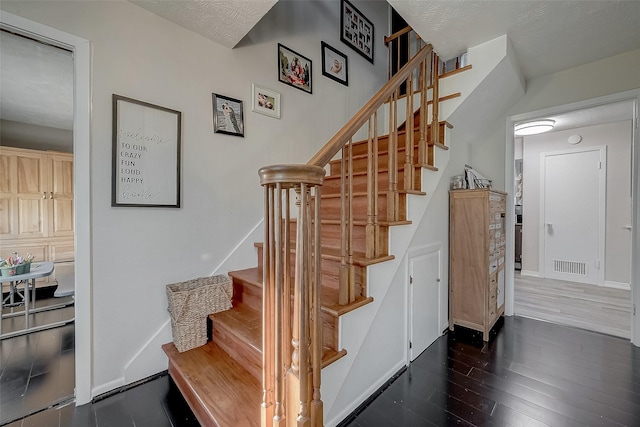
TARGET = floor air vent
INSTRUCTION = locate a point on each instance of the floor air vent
(570, 267)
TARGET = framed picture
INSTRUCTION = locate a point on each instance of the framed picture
(334, 64)
(228, 117)
(145, 154)
(265, 101)
(356, 30)
(294, 69)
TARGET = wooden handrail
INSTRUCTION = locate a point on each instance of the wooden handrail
(397, 34)
(336, 143)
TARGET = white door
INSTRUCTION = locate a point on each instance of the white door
(572, 213)
(424, 294)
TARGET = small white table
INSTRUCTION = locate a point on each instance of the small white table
(38, 269)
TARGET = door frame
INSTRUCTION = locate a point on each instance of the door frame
(630, 95)
(602, 196)
(81, 49)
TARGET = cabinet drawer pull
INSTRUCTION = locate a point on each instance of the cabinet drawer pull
(44, 195)
(51, 195)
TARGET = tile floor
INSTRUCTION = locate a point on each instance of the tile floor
(37, 369)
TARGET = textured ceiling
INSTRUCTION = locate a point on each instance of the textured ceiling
(36, 83)
(547, 36)
(224, 21)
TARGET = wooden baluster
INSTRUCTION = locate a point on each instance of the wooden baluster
(278, 416)
(316, 303)
(392, 195)
(408, 138)
(422, 144)
(301, 298)
(267, 407)
(286, 291)
(376, 157)
(343, 286)
(435, 134)
(352, 281)
(371, 196)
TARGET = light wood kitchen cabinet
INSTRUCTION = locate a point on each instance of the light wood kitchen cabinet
(476, 258)
(36, 204)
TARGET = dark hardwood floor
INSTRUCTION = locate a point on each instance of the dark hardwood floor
(531, 373)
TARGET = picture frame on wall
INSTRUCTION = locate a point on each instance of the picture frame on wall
(356, 30)
(228, 116)
(294, 69)
(335, 64)
(265, 101)
(145, 154)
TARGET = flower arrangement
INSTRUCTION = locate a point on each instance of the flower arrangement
(16, 264)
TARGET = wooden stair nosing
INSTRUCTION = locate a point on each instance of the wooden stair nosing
(224, 394)
(359, 259)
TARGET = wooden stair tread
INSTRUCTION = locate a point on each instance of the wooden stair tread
(251, 275)
(334, 254)
(219, 390)
(335, 309)
(246, 324)
(243, 322)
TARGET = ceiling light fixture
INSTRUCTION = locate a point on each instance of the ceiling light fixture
(532, 128)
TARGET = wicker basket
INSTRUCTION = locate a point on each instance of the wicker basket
(190, 303)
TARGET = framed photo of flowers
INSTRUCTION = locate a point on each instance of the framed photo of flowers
(294, 69)
(228, 117)
(356, 30)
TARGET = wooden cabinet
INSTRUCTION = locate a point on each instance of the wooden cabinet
(476, 258)
(36, 204)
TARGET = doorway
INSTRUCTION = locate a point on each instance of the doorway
(628, 101)
(82, 187)
(37, 339)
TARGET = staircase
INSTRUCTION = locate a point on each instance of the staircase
(251, 372)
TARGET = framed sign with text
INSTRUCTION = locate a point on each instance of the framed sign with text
(146, 154)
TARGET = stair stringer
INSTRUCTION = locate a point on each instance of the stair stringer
(375, 335)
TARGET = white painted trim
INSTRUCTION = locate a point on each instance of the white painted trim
(602, 207)
(633, 95)
(529, 273)
(107, 387)
(364, 396)
(240, 243)
(82, 188)
(617, 285)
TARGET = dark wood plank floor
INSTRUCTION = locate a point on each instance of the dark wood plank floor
(531, 373)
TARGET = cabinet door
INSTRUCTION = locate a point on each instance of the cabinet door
(60, 201)
(30, 196)
(8, 219)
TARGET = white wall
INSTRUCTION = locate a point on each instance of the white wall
(617, 138)
(604, 78)
(24, 135)
(137, 251)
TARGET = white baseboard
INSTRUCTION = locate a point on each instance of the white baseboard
(112, 385)
(364, 396)
(617, 285)
(529, 273)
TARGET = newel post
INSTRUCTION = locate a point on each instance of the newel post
(291, 327)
